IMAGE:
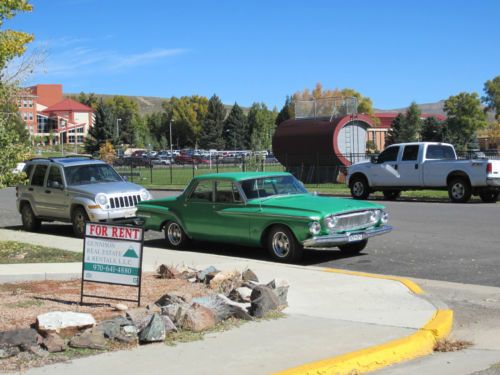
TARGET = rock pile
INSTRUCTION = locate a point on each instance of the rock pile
(230, 294)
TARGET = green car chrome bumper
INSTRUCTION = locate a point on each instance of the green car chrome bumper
(342, 239)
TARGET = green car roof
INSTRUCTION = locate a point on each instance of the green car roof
(239, 176)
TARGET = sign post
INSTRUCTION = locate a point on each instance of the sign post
(112, 254)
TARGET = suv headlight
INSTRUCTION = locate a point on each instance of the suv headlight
(101, 199)
(144, 195)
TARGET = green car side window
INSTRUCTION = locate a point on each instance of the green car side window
(203, 192)
(226, 192)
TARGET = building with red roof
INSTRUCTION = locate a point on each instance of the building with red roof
(48, 114)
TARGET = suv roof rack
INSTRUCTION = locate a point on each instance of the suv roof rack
(73, 156)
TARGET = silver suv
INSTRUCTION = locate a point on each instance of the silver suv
(76, 190)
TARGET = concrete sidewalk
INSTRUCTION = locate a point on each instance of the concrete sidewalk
(331, 317)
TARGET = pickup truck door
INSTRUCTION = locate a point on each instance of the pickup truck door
(410, 170)
(385, 171)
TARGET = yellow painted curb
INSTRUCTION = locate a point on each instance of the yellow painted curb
(418, 344)
(408, 283)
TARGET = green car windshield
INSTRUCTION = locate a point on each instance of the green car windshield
(272, 186)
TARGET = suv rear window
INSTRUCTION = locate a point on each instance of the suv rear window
(39, 175)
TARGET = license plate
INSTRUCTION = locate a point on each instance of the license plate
(356, 237)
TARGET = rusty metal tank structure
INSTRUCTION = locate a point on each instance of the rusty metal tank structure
(319, 143)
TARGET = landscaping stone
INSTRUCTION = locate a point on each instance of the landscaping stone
(211, 271)
(130, 330)
(167, 272)
(237, 310)
(249, 275)
(241, 294)
(169, 325)
(224, 282)
(280, 287)
(8, 351)
(173, 306)
(23, 338)
(109, 328)
(121, 307)
(139, 316)
(64, 320)
(53, 343)
(198, 318)
(263, 299)
(154, 331)
(89, 339)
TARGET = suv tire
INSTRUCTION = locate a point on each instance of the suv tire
(79, 217)
(30, 222)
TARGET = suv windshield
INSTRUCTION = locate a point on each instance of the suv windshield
(90, 174)
(269, 186)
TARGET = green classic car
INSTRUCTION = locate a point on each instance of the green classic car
(263, 209)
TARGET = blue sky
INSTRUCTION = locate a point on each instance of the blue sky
(260, 51)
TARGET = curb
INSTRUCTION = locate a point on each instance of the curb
(376, 357)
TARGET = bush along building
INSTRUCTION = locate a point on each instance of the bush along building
(52, 119)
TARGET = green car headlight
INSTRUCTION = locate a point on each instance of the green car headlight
(375, 216)
(331, 222)
(385, 217)
(314, 228)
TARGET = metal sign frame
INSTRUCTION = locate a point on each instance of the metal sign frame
(141, 244)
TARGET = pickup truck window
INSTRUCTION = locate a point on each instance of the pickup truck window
(410, 153)
(440, 152)
(39, 175)
(389, 154)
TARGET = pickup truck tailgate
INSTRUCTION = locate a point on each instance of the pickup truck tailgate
(493, 169)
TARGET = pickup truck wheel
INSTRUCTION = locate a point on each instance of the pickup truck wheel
(489, 197)
(459, 190)
(353, 247)
(175, 235)
(283, 246)
(79, 217)
(391, 195)
(30, 222)
(359, 188)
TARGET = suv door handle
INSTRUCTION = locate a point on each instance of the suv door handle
(48, 191)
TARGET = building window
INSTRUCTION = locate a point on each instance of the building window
(31, 116)
(80, 138)
(30, 102)
(25, 116)
(25, 103)
(71, 139)
(19, 103)
(80, 130)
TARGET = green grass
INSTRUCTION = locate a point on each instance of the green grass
(17, 252)
(25, 304)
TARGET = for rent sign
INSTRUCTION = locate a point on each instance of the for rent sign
(112, 254)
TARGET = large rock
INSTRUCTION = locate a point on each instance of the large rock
(249, 275)
(263, 300)
(207, 274)
(198, 318)
(280, 287)
(241, 294)
(174, 307)
(89, 339)
(139, 317)
(8, 351)
(154, 331)
(67, 321)
(237, 310)
(224, 282)
(53, 343)
(23, 339)
(167, 272)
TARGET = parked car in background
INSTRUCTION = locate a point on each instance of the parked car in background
(273, 210)
(133, 162)
(76, 190)
(161, 160)
(425, 165)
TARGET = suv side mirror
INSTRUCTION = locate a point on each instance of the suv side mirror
(56, 185)
(374, 159)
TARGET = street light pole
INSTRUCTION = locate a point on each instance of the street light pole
(118, 120)
(171, 149)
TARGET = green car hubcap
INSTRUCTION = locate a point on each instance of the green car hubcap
(174, 234)
(281, 244)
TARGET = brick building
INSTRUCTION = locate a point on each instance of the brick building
(49, 115)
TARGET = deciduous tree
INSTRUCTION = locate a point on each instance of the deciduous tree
(432, 130)
(492, 96)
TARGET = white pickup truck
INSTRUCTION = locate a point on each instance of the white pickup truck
(425, 165)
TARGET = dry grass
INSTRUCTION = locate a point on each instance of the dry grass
(447, 345)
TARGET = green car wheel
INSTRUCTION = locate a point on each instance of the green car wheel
(283, 245)
(175, 235)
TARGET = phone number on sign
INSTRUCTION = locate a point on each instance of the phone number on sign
(112, 269)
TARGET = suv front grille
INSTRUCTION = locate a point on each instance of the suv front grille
(124, 201)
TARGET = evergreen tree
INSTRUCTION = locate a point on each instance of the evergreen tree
(103, 129)
(394, 133)
(213, 125)
(432, 130)
(235, 129)
(412, 124)
(261, 125)
(287, 112)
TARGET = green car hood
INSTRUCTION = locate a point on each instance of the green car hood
(314, 204)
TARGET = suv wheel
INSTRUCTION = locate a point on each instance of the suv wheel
(30, 221)
(79, 218)
(359, 188)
